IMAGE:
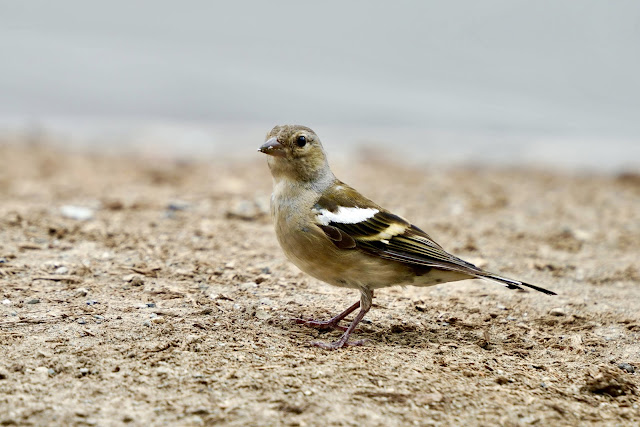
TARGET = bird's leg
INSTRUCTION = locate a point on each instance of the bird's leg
(331, 323)
(365, 305)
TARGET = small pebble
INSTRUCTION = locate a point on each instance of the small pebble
(151, 304)
(42, 372)
(146, 323)
(196, 420)
(558, 311)
(6, 302)
(248, 285)
(627, 367)
(263, 204)
(76, 212)
(61, 270)
(3, 260)
(113, 204)
(245, 209)
(158, 320)
(262, 314)
(84, 371)
(169, 214)
(502, 380)
(92, 302)
(261, 278)
(43, 354)
(177, 205)
(33, 301)
(82, 292)
(81, 321)
(4, 374)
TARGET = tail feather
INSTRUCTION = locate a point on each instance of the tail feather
(517, 284)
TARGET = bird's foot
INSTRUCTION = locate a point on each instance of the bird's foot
(323, 325)
(338, 344)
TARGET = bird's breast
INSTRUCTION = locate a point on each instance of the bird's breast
(306, 246)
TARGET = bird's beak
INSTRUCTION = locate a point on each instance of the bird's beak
(273, 148)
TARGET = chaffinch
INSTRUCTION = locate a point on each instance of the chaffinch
(332, 232)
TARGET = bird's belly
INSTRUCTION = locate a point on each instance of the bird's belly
(312, 252)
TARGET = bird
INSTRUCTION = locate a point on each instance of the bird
(333, 233)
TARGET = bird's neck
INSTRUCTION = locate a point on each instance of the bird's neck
(301, 174)
(285, 184)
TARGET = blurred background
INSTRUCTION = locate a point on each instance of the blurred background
(553, 83)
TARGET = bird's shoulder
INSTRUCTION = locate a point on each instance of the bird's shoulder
(340, 195)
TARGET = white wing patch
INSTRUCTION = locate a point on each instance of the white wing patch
(346, 215)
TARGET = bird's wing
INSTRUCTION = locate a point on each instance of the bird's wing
(347, 216)
(352, 221)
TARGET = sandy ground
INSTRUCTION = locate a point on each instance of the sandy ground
(172, 303)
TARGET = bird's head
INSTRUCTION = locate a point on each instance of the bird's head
(295, 152)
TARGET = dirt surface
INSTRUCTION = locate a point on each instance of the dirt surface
(165, 299)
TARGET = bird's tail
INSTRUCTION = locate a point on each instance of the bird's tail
(516, 284)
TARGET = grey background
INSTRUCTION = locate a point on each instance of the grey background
(550, 82)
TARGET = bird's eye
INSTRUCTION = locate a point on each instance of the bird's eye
(301, 141)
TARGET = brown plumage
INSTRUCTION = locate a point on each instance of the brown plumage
(335, 234)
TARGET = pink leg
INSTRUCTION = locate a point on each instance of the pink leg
(331, 323)
(365, 306)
